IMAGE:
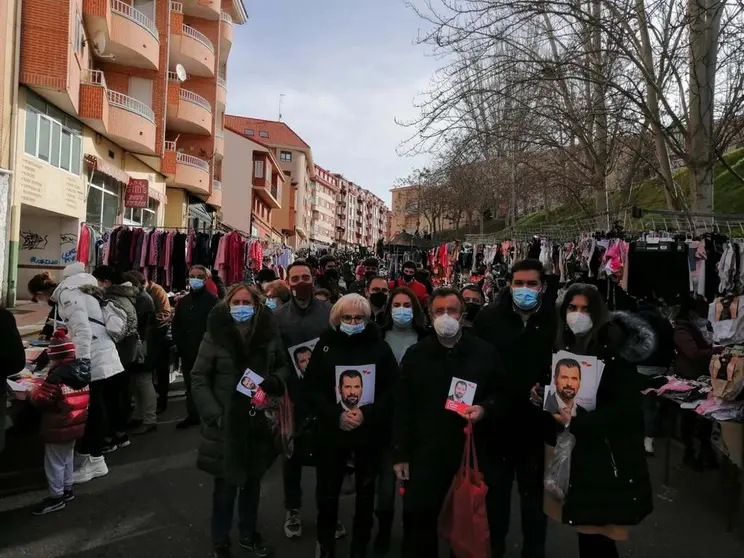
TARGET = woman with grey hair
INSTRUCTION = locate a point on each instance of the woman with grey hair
(350, 382)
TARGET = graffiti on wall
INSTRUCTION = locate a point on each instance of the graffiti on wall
(42, 261)
(67, 238)
(69, 256)
(33, 241)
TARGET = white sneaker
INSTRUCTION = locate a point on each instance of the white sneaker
(79, 459)
(648, 445)
(91, 468)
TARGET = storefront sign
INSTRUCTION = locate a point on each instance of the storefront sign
(137, 193)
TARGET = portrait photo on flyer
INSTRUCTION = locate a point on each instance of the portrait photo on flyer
(573, 384)
(355, 386)
(300, 355)
(460, 395)
(249, 382)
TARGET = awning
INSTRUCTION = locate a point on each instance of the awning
(104, 167)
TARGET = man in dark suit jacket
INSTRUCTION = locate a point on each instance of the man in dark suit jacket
(567, 384)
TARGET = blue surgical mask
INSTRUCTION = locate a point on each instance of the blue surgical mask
(352, 329)
(196, 283)
(524, 298)
(271, 303)
(402, 316)
(242, 313)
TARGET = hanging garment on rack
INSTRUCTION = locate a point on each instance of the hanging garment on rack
(658, 271)
(726, 315)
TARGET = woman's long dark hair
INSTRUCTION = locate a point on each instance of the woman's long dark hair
(419, 318)
(597, 310)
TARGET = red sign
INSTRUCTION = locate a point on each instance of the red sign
(137, 194)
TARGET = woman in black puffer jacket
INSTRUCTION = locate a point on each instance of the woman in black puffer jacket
(609, 486)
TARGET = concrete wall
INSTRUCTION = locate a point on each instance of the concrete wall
(237, 182)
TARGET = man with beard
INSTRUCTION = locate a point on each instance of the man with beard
(474, 300)
(567, 385)
(350, 387)
(329, 277)
(302, 359)
(408, 279)
(458, 395)
(377, 293)
(371, 267)
(300, 320)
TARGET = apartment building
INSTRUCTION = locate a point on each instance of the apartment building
(251, 177)
(323, 190)
(293, 217)
(361, 217)
(406, 216)
(112, 92)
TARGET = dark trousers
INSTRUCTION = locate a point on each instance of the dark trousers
(292, 479)
(330, 472)
(191, 411)
(526, 464)
(118, 401)
(386, 485)
(161, 364)
(694, 427)
(597, 546)
(223, 508)
(95, 426)
(421, 519)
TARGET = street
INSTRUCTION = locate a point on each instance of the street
(154, 502)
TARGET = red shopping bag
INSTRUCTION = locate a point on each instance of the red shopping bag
(463, 521)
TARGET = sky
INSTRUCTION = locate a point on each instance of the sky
(347, 68)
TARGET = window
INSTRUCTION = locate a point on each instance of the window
(102, 205)
(285, 156)
(146, 217)
(258, 169)
(248, 132)
(52, 136)
(77, 45)
(263, 134)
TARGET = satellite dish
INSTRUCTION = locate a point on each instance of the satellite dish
(181, 73)
(99, 42)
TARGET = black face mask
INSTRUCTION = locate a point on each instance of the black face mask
(408, 278)
(331, 274)
(370, 274)
(471, 311)
(378, 300)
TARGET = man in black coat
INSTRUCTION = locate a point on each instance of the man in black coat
(188, 327)
(428, 439)
(329, 277)
(522, 329)
(371, 269)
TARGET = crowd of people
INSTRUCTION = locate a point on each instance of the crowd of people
(366, 367)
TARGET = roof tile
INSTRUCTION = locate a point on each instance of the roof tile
(279, 133)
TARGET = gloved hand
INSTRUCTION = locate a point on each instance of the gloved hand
(273, 386)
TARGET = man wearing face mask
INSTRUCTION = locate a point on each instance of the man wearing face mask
(523, 331)
(300, 320)
(427, 438)
(371, 268)
(474, 300)
(329, 277)
(408, 279)
(377, 293)
(188, 328)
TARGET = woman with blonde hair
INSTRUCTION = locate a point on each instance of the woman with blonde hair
(237, 445)
(350, 382)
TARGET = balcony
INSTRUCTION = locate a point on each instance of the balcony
(191, 173)
(270, 194)
(188, 112)
(215, 199)
(226, 36)
(128, 122)
(219, 144)
(193, 50)
(206, 9)
(221, 98)
(130, 35)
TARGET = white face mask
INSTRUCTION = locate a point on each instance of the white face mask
(446, 326)
(578, 322)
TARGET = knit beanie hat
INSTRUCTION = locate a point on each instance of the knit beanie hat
(61, 348)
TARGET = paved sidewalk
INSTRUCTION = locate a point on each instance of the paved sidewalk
(30, 317)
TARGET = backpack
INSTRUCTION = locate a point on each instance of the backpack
(119, 323)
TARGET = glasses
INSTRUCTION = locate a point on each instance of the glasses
(349, 319)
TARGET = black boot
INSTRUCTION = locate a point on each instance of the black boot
(384, 533)
(325, 551)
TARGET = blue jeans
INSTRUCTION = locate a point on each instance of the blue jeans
(223, 507)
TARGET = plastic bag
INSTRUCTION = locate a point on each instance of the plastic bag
(558, 471)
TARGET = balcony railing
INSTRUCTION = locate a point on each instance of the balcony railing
(192, 97)
(197, 36)
(176, 7)
(221, 82)
(224, 16)
(170, 145)
(192, 161)
(173, 76)
(93, 77)
(126, 102)
(216, 185)
(133, 14)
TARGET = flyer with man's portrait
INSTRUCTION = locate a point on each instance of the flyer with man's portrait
(460, 396)
(300, 355)
(573, 384)
(355, 386)
(249, 385)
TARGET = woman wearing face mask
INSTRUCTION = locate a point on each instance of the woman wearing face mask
(350, 385)
(41, 287)
(237, 445)
(277, 293)
(609, 485)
